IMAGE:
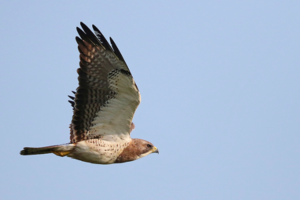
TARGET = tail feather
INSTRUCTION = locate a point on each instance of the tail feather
(45, 150)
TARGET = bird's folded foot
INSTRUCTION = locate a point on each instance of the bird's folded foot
(61, 153)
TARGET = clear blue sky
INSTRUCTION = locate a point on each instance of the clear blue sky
(220, 98)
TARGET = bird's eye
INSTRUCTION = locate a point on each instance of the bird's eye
(149, 145)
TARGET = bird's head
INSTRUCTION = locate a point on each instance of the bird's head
(136, 149)
(144, 147)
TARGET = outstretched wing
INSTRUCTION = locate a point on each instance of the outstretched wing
(107, 96)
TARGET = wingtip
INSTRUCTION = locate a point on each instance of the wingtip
(82, 24)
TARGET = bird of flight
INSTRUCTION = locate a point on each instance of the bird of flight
(103, 107)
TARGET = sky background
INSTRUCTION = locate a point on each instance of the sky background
(220, 98)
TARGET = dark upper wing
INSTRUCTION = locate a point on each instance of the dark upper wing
(107, 96)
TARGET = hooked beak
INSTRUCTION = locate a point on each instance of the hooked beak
(155, 150)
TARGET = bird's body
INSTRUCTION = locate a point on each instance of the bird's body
(104, 105)
(98, 151)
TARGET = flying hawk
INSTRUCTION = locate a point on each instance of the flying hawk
(103, 107)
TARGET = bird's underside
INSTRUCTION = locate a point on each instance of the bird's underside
(103, 107)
